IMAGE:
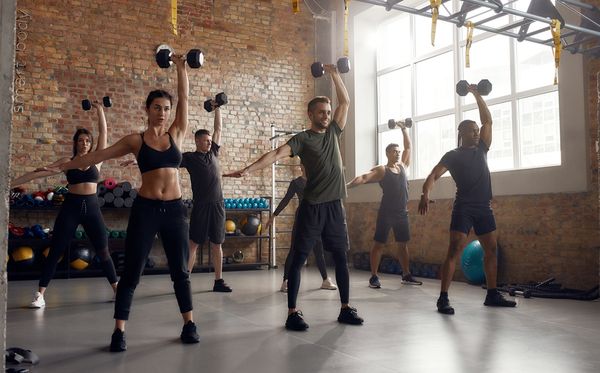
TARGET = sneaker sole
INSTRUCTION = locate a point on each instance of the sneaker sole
(32, 307)
(374, 287)
(350, 322)
(411, 283)
(328, 288)
(500, 305)
(446, 312)
(296, 330)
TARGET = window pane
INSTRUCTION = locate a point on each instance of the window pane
(394, 97)
(435, 84)
(500, 156)
(443, 35)
(392, 37)
(390, 137)
(435, 137)
(535, 66)
(490, 59)
(539, 130)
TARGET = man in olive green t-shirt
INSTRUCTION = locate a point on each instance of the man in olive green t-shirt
(321, 213)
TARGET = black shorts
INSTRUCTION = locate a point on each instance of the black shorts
(395, 221)
(479, 217)
(324, 220)
(207, 222)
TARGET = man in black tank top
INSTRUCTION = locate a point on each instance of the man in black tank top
(207, 221)
(392, 213)
(472, 206)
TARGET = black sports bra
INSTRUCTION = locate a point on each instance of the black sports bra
(149, 159)
(76, 176)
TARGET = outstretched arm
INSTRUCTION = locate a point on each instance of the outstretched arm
(38, 173)
(179, 127)
(485, 116)
(124, 146)
(216, 137)
(375, 175)
(341, 112)
(264, 161)
(435, 174)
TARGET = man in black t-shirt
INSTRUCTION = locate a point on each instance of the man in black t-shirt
(207, 221)
(321, 213)
(472, 206)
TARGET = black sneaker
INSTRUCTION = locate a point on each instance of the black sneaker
(495, 299)
(443, 306)
(188, 333)
(221, 287)
(349, 315)
(374, 282)
(409, 280)
(117, 341)
(296, 322)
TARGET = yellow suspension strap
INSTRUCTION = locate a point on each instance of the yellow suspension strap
(435, 12)
(174, 16)
(555, 29)
(296, 6)
(346, 14)
(470, 28)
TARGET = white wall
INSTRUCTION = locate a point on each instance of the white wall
(361, 138)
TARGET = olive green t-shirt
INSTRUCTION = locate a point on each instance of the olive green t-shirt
(322, 160)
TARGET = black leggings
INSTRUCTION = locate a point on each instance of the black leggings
(85, 210)
(149, 217)
(341, 276)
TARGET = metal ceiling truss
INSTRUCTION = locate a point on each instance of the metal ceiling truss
(584, 39)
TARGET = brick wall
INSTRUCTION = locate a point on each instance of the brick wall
(541, 236)
(258, 52)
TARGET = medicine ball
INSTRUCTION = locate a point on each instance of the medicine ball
(23, 256)
(250, 225)
(229, 226)
(81, 257)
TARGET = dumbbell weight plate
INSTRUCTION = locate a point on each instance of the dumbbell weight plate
(163, 59)
(343, 65)
(208, 105)
(462, 88)
(221, 99)
(484, 87)
(195, 58)
(106, 101)
(86, 104)
(317, 70)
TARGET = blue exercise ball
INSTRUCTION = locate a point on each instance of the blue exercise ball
(471, 263)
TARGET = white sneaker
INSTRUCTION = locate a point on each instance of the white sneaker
(38, 301)
(283, 286)
(328, 284)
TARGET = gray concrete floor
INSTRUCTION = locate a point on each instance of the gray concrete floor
(243, 331)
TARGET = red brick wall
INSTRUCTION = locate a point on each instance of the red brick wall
(541, 236)
(258, 52)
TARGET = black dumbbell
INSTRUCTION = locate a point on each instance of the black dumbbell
(219, 100)
(318, 70)
(484, 87)
(407, 123)
(194, 57)
(87, 104)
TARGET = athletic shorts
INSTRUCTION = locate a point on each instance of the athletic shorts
(207, 222)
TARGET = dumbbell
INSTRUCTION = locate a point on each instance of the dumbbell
(87, 104)
(318, 70)
(484, 87)
(407, 123)
(219, 100)
(194, 57)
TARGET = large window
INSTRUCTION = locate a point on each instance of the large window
(417, 80)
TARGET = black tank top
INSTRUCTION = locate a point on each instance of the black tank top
(395, 191)
(149, 159)
(76, 176)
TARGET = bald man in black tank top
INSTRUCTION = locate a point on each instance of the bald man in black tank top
(393, 214)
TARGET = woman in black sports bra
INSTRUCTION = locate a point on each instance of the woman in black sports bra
(158, 207)
(80, 207)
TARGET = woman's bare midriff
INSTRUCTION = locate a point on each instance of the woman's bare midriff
(83, 189)
(161, 184)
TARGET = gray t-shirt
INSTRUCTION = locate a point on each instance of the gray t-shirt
(322, 160)
(469, 169)
(205, 173)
